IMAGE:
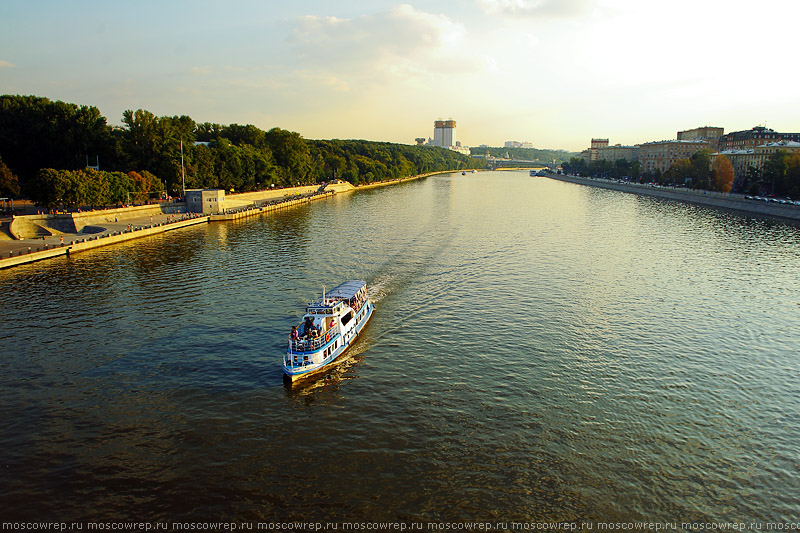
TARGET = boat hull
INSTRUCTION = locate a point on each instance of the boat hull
(296, 373)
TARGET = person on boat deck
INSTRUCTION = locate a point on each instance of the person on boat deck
(308, 326)
(332, 323)
(294, 335)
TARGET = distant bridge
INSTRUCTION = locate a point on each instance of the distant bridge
(495, 163)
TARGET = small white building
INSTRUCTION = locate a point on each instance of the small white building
(205, 201)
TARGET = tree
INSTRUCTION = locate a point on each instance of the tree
(750, 181)
(793, 175)
(291, 152)
(154, 186)
(622, 167)
(576, 166)
(680, 171)
(49, 187)
(241, 135)
(636, 169)
(39, 133)
(722, 174)
(701, 165)
(154, 143)
(9, 183)
(774, 172)
(121, 187)
(334, 165)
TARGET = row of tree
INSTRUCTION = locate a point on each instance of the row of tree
(40, 140)
(779, 176)
(91, 187)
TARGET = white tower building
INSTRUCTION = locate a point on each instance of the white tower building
(444, 133)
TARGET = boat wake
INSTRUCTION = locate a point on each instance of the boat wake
(380, 288)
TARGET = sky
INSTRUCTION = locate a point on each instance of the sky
(551, 72)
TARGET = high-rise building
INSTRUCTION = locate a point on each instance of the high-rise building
(444, 133)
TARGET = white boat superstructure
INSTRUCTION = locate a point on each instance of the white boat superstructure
(330, 325)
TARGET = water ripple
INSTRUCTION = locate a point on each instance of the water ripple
(540, 351)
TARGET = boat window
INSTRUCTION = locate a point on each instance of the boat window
(346, 318)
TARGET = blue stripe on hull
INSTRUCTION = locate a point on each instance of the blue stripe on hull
(300, 373)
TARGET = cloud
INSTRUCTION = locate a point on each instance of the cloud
(274, 78)
(321, 79)
(401, 42)
(6, 64)
(538, 8)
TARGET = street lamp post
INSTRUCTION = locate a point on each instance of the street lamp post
(183, 175)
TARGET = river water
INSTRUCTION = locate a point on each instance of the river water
(540, 351)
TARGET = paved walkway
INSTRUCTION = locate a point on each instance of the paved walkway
(17, 246)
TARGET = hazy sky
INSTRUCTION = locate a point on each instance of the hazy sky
(552, 72)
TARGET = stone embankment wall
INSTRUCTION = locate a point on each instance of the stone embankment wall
(244, 199)
(81, 244)
(254, 209)
(734, 202)
(33, 226)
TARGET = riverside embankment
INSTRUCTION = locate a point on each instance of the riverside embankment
(43, 236)
(30, 250)
(46, 236)
(734, 202)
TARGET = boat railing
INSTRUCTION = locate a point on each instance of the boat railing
(294, 361)
(314, 343)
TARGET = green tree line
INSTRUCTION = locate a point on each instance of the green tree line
(46, 147)
(90, 187)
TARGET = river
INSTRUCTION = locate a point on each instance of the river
(540, 351)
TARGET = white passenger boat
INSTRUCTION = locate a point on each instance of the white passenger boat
(330, 325)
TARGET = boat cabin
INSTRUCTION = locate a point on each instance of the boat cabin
(325, 318)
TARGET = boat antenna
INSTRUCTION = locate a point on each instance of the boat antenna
(323, 295)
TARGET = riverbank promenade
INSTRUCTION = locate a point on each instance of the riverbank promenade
(730, 201)
(17, 252)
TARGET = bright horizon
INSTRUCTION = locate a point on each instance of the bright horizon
(551, 72)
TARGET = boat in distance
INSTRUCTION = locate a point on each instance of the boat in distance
(329, 327)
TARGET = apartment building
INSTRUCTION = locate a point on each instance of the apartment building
(711, 134)
(744, 140)
(755, 157)
(613, 153)
(660, 155)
